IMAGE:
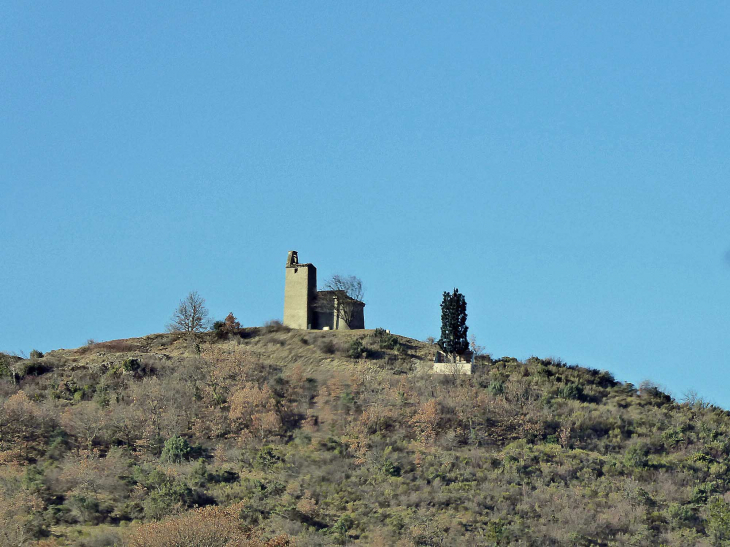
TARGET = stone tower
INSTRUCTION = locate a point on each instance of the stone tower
(300, 292)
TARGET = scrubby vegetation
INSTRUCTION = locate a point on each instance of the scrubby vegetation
(271, 437)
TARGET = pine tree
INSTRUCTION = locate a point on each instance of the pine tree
(453, 324)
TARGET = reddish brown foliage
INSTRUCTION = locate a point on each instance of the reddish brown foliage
(253, 410)
(209, 526)
(426, 421)
(231, 324)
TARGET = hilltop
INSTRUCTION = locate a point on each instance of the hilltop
(271, 436)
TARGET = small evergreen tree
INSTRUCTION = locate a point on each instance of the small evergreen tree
(453, 324)
(176, 449)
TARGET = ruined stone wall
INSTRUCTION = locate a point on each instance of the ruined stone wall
(325, 314)
(453, 364)
(461, 367)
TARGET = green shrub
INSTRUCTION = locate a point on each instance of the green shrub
(347, 399)
(495, 531)
(35, 354)
(84, 509)
(385, 340)
(701, 457)
(167, 498)
(653, 392)
(680, 515)
(637, 455)
(672, 437)
(176, 450)
(702, 492)
(31, 368)
(390, 468)
(356, 349)
(571, 391)
(717, 514)
(267, 457)
(130, 365)
(496, 387)
(326, 345)
(199, 476)
(34, 479)
(333, 445)
(605, 379)
(340, 528)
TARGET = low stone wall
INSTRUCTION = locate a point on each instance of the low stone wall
(460, 367)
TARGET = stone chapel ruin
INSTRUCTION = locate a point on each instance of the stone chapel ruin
(307, 308)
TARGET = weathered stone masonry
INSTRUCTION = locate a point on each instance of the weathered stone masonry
(307, 308)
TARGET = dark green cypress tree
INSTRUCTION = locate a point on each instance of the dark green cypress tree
(453, 324)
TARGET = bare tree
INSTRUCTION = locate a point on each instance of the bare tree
(348, 295)
(191, 316)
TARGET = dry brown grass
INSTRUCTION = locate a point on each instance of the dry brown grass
(283, 347)
(206, 527)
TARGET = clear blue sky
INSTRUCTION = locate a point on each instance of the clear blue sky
(565, 165)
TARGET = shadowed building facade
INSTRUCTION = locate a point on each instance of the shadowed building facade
(307, 308)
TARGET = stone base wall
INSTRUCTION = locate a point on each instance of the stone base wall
(460, 367)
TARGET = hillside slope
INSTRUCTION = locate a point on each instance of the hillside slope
(336, 438)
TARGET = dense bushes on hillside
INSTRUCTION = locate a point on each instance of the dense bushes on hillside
(235, 435)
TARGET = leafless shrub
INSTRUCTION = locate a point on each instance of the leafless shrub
(693, 400)
(326, 345)
(274, 325)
